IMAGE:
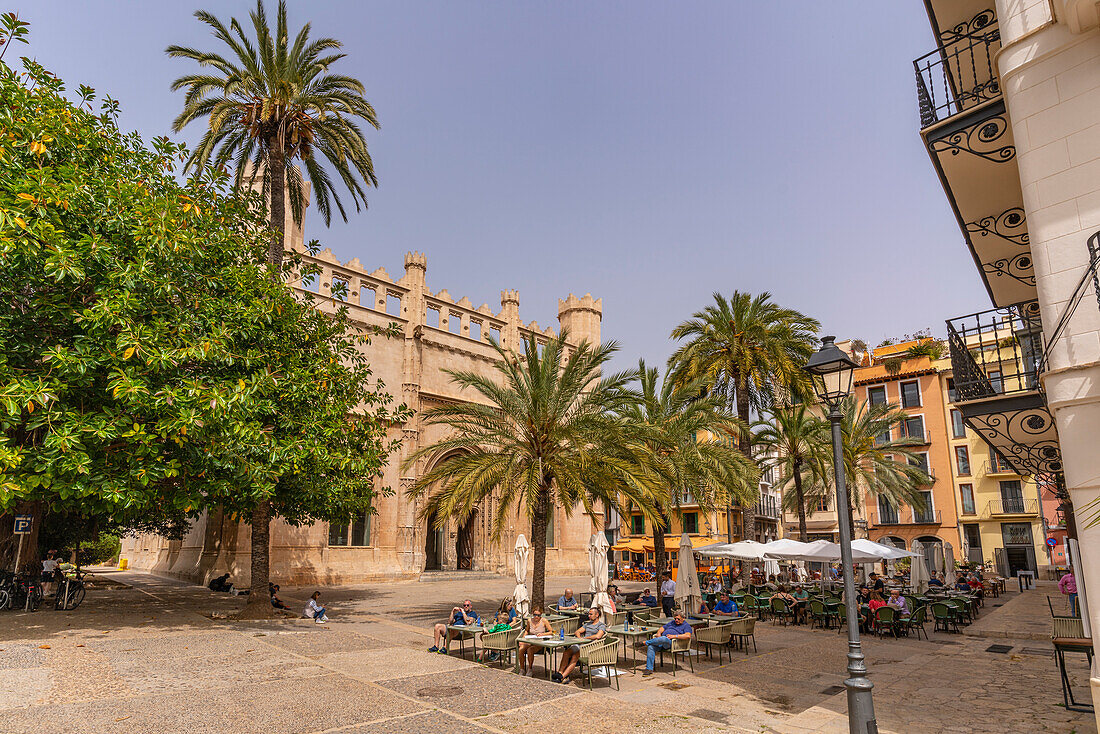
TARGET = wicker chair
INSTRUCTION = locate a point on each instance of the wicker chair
(503, 642)
(718, 634)
(819, 614)
(613, 619)
(679, 647)
(742, 629)
(602, 654)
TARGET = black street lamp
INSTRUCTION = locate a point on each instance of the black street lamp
(832, 372)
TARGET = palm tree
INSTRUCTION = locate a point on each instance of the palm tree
(691, 439)
(268, 104)
(272, 102)
(547, 432)
(796, 443)
(875, 462)
(748, 350)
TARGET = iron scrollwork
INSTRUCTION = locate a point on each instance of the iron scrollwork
(1025, 438)
(1010, 225)
(981, 140)
(985, 20)
(1018, 267)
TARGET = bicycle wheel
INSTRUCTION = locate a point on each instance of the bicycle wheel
(75, 597)
(4, 598)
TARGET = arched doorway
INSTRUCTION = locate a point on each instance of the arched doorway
(933, 553)
(433, 546)
(464, 543)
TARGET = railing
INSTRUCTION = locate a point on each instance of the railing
(1012, 506)
(998, 467)
(767, 507)
(960, 74)
(996, 352)
(907, 517)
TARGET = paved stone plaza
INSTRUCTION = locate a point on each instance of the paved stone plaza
(150, 658)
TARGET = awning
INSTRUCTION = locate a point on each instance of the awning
(672, 543)
(634, 545)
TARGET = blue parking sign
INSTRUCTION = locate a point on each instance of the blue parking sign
(23, 524)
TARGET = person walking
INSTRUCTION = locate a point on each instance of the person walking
(668, 595)
(1068, 586)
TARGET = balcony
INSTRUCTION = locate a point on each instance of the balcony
(906, 516)
(970, 142)
(767, 507)
(1000, 468)
(1012, 506)
(996, 358)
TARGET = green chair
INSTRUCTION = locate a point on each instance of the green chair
(819, 614)
(886, 618)
(780, 609)
(944, 616)
(916, 622)
(503, 643)
(719, 635)
(750, 605)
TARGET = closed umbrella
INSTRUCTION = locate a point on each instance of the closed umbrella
(949, 559)
(597, 564)
(936, 554)
(688, 594)
(520, 595)
(771, 568)
(918, 570)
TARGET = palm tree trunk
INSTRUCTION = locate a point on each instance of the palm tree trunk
(800, 495)
(659, 542)
(538, 543)
(744, 442)
(259, 603)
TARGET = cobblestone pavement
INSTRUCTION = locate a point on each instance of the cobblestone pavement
(150, 659)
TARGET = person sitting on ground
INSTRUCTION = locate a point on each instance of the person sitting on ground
(961, 584)
(677, 629)
(501, 625)
(648, 599)
(592, 629)
(276, 602)
(464, 614)
(537, 626)
(725, 606)
(221, 583)
(935, 581)
(566, 600)
(897, 601)
(314, 610)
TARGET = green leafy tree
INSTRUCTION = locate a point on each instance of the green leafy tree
(543, 433)
(748, 350)
(149, 366)
(796, 443)
(272, 101)
(693, 441)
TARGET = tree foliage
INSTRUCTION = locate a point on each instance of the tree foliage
(797, 445)
(149, 367)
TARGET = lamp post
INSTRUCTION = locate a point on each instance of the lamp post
(832, 372)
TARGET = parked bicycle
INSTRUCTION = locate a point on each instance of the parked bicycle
(70, 591)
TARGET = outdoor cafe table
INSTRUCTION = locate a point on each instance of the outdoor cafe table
(552, 645)
(690, 620)
(472, 630)
(633, 607)
(635, 633)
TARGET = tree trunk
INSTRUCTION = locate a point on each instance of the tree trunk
(259, 602)
(744, 442)
(538, 543)
(659, 543)
(30, 561)
(800, 496)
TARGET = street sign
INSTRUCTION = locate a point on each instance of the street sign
(23, 524)
(1052, 542)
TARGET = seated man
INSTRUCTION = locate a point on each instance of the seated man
(221, 583)
(677, 629)
(276, 602)
(459, 615)
(962, 584)
(935, 581)
(592, 629)
(725, 606)
(566, 601)
(648, 599)
(801, 602)
(897, 601)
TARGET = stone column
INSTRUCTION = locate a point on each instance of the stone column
(509, 313)
(1050, 73)
(410, 537)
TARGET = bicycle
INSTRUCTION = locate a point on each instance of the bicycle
(70, 592)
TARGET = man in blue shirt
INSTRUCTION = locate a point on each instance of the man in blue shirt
(935, 581)
(464, 614)
(726, 606)
(648, 599)
(677, 629)
(567, 601)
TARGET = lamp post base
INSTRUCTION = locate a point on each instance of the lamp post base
(861, 709)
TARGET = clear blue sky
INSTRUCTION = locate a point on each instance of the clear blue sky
(650, 153)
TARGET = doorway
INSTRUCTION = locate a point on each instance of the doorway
(1019, 547)
(433, 546)
(464, 544)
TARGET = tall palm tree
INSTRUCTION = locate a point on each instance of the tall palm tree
(748, 350)
(268, 103)
(547, 432)
(273, 101)
(691, 439)
(875, 462)
(796, 443)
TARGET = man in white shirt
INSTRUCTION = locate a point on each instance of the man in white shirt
(49, 571)
(668, 594)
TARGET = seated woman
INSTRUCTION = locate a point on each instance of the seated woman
(592, 629)
(872, 606)
(537, 626)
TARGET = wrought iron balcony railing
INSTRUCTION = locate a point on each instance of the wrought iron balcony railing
(997, 467)
(1012, 506)
(960, 74)
(906, 517)
(996, 352)
(768, 506)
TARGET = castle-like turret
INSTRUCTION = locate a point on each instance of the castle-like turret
(581, 317)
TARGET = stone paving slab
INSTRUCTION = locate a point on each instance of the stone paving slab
(429, 722)
(321, 640)
(392, 662)
(477, 691)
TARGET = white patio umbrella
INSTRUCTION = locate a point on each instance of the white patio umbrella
(819, 550)
(936, 554)
(771, 567)
(520, 596)
(918, 570)
(688, 593)
(880, 550)
(949, 559)
(597, 564)
(744, 550)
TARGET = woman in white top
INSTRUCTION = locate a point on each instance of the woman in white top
(314, 610)
(537, 626)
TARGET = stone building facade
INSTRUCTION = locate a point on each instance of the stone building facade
(438, 333)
